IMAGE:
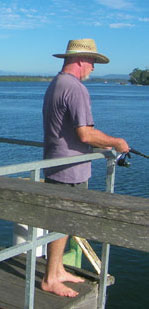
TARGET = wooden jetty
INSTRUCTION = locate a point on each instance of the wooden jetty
(109, 218)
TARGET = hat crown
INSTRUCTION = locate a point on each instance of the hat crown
(83, 48)
(82, 45)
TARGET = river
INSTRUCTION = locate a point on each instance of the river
(119, 110)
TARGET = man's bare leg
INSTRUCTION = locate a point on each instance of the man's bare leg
(55, 273)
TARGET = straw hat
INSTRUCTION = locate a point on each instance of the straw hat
(83, 48)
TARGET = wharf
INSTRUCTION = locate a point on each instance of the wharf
(12, 287)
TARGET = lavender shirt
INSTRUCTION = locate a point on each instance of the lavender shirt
(66, 107)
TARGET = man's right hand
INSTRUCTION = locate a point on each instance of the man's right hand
(121, 145)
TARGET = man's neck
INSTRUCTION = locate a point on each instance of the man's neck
(72, 69)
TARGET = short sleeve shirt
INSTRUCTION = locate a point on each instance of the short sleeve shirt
(66, 106)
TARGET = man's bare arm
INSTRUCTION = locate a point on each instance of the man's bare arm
(97, 138)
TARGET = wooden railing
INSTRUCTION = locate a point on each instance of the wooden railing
(102, 216)
(108, 218)
(120, 220)
(33, 241)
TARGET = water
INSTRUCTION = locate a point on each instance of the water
(119, 110)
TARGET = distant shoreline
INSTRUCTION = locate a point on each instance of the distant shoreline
(25, 78)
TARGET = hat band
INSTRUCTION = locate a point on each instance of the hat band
(79, 51)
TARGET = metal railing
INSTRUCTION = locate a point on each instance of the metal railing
(33, 241)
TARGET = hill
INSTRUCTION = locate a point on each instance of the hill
(116, 76)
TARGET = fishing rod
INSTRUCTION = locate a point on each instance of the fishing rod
(121, 159)
(138, 153)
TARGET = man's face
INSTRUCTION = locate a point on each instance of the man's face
(87, 68)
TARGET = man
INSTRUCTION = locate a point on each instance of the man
(68, 131)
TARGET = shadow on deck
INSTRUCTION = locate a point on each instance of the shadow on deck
(12, 287)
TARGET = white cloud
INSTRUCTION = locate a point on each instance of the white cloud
(23, 10)
(125, 16)
(144, 19)
(21, 18)
(96, 23)
(121, 25)
(27, 11)
(116, 4)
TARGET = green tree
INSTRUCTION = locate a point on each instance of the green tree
(138, 76)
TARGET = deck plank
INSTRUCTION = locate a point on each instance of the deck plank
(12, 287)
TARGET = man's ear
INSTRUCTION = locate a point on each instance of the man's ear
(80, 61)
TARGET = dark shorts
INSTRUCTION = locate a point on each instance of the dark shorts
(83, 185)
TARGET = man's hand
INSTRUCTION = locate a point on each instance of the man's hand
(121, 145)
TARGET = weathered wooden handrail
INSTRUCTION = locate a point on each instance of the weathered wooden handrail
(110, 218)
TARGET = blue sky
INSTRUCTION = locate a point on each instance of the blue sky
(32, 30)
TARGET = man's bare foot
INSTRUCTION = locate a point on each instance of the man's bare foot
(66, 276)
(58, 288)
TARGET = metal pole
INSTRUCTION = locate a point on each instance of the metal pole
(31, 258)
(30, 269)
(35, 175)
(42, 251)
(101, 301)
(103, 276)
(110, 179)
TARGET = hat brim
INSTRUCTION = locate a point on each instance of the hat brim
(98, 58)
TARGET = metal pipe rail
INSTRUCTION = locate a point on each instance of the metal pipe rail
(33, 242)
(20, 142)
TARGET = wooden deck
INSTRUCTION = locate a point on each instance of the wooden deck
(107, 218)
(12, 287)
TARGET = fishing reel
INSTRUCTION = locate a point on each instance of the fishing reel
(121, 159)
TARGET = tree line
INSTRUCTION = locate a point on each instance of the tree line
(24, 78)
(139, 77)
